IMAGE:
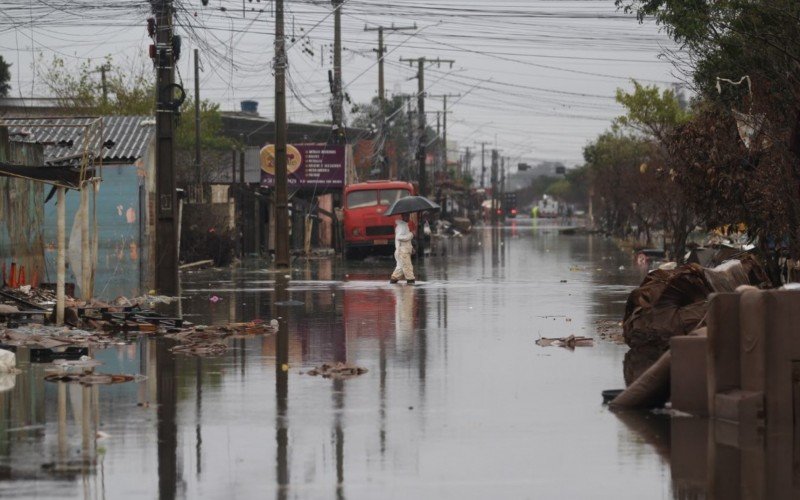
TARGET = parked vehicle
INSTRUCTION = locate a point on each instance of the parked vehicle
(366, 229)
(548, 207)
(510, 205)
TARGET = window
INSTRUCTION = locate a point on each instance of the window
(389, 196)
(361, 199)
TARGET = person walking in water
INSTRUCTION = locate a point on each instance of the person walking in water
(402, 251)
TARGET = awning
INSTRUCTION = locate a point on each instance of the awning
(63, 176)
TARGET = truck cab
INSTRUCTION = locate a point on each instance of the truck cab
(366, 229)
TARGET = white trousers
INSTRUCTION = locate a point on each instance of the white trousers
(404, 269)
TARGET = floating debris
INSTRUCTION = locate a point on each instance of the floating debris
(200, 349)
(89, 378)
(337, 371)
(570, 342)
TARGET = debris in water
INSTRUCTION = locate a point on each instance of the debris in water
(337, 371)
(610, 330)
(89, 378)
(570, 342)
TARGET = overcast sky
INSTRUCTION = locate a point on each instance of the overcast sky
(537, 77)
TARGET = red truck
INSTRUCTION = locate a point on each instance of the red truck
(366, 229)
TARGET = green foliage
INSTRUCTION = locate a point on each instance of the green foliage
(5, 77)
(128, 91)
(560, 188)
(650, 111)
(210, 127)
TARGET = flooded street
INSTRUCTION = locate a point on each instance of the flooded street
(458, 400)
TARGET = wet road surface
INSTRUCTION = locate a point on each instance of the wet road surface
(459, 402)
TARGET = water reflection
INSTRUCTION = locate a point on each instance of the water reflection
(167, 431)
(719, 460)
(282, 387)
(454, 394)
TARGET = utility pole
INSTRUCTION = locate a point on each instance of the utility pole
(166, 278)
(103, 70)
(381, 50)
(483, 163)
(336, 84)
(467, 166)
(444, 124)
(494, 187)
(281, 198)
(438, 135)
(423, 176)
(503, 183)
(197, 116)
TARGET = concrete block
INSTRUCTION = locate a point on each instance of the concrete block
(688, 374)
(745, 408)
(752, 317)
(723, 359)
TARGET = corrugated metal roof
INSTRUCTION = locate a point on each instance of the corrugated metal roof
(126, 137)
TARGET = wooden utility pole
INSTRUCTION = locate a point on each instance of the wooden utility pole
(381, 50)
(336, 87)
(281, 198)
(421, 172)
(483, 163)
(166, 278)
(103, 70)
(502, 196)
(197, 117)
(423, 175)
(494, 186)
(444, 123)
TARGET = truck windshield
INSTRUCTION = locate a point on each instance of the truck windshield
(361, 199)
(389, 196)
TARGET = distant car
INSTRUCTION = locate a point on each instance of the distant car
(511, 205)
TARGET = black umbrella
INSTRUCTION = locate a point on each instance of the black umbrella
(411, 204)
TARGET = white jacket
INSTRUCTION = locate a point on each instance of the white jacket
(402, 236)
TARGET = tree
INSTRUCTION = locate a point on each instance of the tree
(216, 148)
(621, 186)
(127, 91)
(655, 114)
(5, 77)
(745, 60)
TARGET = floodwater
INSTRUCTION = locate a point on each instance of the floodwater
(459, 402)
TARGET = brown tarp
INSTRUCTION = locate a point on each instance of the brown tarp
(670, 303)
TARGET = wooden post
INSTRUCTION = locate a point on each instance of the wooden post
(86, 253)
(60, 256)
